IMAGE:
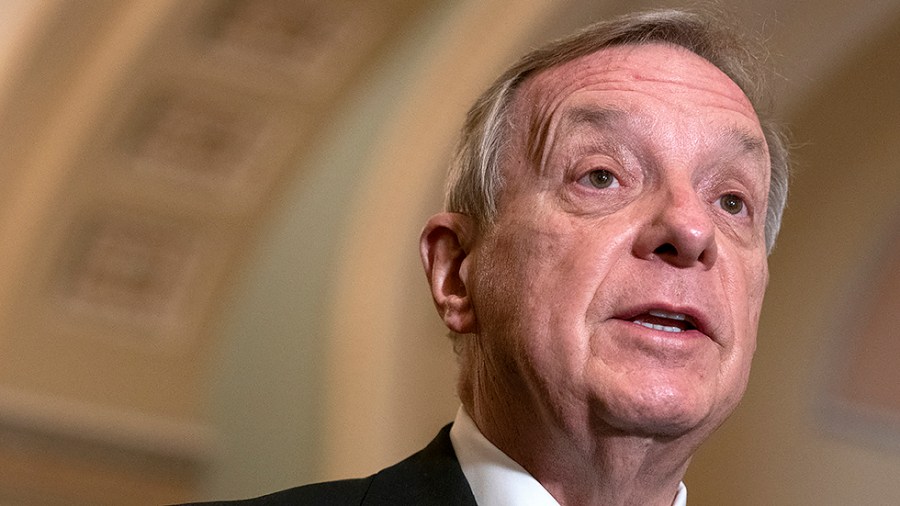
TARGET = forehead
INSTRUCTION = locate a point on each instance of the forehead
(632, 75)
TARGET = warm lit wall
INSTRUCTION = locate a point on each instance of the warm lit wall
(778, 448)
(141, 144)
(334, 311)
(334, 322)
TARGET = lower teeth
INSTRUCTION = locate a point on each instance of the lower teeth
(663, 328)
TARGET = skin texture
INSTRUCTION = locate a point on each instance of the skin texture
(636, 179)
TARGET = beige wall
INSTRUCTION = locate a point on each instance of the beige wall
(364, 373)
(142, 144)
(777, 448)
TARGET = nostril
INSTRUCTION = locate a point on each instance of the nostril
(667, 249)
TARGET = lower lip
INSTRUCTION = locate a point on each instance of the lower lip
(656, 348)
(685, 335)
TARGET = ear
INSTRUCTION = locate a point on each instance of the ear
(444, 246)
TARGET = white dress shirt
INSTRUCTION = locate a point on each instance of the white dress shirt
(496, 479)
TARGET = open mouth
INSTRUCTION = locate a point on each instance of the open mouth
(665, 321)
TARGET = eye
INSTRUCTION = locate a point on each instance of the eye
(731, 203)
(600, 179)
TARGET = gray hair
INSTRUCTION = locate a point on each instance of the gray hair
(475, 179)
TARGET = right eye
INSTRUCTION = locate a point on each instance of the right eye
(600, 179)
(731, 203)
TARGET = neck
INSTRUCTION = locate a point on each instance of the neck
(591, 464)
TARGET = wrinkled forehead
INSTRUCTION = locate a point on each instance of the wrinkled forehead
(653, 70)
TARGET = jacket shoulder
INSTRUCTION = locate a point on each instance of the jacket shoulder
(331, 493)
(431, 477)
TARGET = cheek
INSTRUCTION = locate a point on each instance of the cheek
(757, 280)
(743, 278)
(506, 277)
(532, 286)
(745, 292)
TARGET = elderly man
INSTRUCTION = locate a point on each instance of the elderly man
(601, 264)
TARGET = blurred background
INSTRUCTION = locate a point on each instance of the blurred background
(209, 217)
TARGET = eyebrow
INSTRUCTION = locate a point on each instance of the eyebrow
(750, 144)
(597, 118)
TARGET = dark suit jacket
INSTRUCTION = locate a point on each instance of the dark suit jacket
(431, 477)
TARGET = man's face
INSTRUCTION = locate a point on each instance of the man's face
(620, 286)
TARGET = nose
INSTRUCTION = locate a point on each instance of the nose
(680, 231)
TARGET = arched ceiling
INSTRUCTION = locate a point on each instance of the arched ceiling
(141, 147)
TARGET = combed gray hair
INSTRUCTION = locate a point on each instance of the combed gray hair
(476, 180)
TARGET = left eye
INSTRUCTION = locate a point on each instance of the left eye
(600, 179)
(731, 203)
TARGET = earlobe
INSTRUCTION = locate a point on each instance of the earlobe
(444, 246)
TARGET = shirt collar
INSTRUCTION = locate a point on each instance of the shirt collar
(496, 479)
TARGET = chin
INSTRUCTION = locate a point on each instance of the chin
(666, 425)
(671, 415)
